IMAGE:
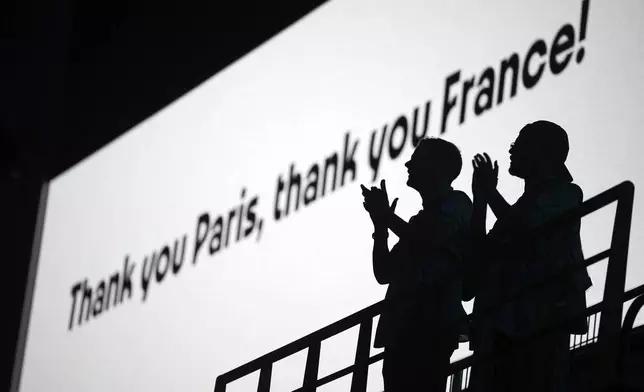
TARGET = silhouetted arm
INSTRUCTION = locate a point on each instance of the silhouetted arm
(478, 254)
(484, 243)
(400, 227)
(499, 206)
(382, 260)
(377, 204)
(479, 216)
(484, 179)
(484, 182)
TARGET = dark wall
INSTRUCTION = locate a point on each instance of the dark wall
(90, 71)
(19, 200)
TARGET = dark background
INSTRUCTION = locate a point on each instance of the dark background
(75, 75)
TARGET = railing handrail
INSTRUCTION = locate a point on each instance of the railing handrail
(622, 193)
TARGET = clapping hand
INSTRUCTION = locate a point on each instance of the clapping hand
(376, 202)
(486, 175)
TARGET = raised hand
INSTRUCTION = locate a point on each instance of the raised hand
(486, 174)
(376, 202)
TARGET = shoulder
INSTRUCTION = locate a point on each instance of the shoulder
(560, 199)
(575, 191)
(457, 205)
(457, 199)
(568, 193)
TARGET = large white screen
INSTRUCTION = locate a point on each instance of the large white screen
(351, 67)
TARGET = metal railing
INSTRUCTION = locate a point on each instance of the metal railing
(607, 336)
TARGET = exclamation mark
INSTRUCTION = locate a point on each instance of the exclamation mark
(582, 29)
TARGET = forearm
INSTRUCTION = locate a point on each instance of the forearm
(499, 206)
(398, 225)
(381, 259)
(479, 216)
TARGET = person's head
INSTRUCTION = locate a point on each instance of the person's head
(540, 151)
(434, 164)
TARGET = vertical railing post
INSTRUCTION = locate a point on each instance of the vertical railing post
(312, 367)
(363, 349)
(457, 382)
(264, 384)
(610, 323)
(220, 384)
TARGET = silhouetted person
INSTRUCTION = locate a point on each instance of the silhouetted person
(419, 332)
(535, 364)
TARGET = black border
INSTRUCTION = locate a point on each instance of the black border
(29, 289)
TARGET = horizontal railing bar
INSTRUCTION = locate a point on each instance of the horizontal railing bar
(343, 372)
(332, 377)
(376, 358)
(634, 292)
(597, 258)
